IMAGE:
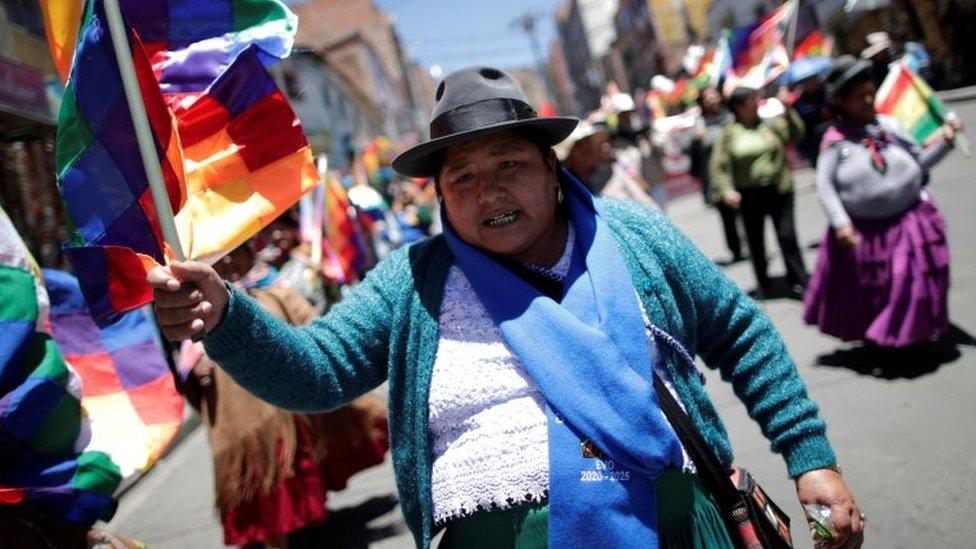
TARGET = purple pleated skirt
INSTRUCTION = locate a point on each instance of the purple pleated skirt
(892, 290)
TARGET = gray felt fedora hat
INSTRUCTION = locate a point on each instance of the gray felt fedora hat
(473, 102)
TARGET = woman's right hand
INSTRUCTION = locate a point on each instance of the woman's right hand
(189, 299)
(847, 237)
(732, 199)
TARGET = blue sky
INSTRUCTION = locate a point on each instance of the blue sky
(458, 33)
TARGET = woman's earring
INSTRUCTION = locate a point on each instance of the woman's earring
(559, 194)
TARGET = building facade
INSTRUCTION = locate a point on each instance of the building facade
(586, 30)
(944, 27)
(359, 24)
(29, 98)
(354, 56)
(337, 118)
(563, 89)
(423, 89)
(637, 42)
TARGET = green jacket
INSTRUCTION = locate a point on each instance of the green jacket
(387, 329)
(750, 157)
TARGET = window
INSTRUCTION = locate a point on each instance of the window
(26, 14)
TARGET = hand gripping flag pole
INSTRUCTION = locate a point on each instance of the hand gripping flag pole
(144, 138)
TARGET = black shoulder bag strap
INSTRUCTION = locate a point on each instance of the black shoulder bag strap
(711, 472)
(733, 506)
(748, 524)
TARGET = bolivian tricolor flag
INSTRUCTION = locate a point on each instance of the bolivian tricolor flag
(910, 101)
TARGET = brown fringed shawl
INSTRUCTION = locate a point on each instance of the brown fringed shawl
(254, 443)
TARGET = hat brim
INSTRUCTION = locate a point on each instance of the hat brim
(859, 68)
(424, 160)
(874, 49)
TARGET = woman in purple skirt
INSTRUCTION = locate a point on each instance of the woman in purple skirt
(883, 272)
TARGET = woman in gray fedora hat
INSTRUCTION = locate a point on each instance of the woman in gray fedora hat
(525, 349)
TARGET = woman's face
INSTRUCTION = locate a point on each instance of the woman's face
(283, 236)
(233, 266)
(857, 104)
(711, 101)
(590, 153)
(499, 193)
(747, 111)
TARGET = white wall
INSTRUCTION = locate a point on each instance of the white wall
(598, 19)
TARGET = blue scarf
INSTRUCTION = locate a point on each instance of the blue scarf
(590, 357)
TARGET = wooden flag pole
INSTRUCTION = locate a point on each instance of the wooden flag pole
(319, 206)
(144, 137)
(791, 30)
(961, 138)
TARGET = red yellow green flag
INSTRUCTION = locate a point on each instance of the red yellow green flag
(908, 99)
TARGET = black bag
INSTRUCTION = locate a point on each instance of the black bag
(752, 519)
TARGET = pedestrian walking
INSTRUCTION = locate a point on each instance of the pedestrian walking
(882, 275)
(522, 348)
(714, 117)
(880, 53)
(750, 172)
(587, 153)
(635, 151)
(273, 468)
(811, 105)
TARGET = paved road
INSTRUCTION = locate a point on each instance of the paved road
(905, 433)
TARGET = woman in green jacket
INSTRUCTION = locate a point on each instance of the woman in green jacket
(521, 349)
(750, 172)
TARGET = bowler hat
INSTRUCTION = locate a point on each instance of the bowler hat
(583, 131)
(877, 43)
(846, 70)
(473, 102)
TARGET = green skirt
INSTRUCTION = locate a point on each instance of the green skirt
(687, 517)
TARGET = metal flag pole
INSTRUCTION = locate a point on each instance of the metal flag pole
(144, 137)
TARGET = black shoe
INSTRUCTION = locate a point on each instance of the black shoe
(797, 291)
(760, 293)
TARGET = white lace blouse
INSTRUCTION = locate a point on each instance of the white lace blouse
(487, 418)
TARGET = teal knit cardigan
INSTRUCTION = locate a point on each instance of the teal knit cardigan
(387, 329)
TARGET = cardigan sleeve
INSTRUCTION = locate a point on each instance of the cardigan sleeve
(730, 332)
(322, 365)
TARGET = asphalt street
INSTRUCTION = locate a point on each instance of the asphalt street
(904, 428)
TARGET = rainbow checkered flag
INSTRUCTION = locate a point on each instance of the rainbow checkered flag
(232, 153)
(127, 389)
(247, 159)
(115, 234)
(47, 460)
(909, 100)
